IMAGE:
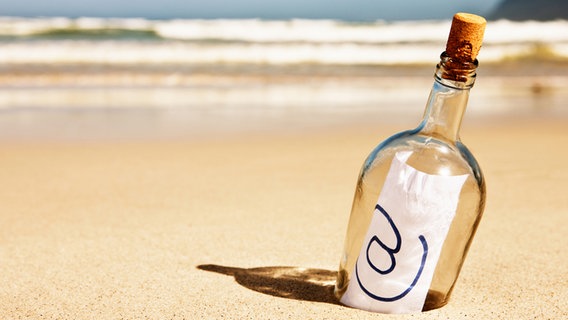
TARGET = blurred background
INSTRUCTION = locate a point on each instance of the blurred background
(163, 69)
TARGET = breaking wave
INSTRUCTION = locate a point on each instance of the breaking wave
(124, 41)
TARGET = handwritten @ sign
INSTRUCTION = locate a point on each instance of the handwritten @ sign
(391, 252)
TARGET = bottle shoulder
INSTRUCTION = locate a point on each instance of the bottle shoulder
(429, 154)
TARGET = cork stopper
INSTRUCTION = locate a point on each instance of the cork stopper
(466, 36)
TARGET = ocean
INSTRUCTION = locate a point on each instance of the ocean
(137, 41)
(221, 73)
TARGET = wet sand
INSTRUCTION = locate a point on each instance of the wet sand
(251, 226)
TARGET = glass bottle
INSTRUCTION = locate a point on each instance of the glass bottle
(418, 201)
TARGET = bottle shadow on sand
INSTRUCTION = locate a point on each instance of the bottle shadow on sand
(286, 282)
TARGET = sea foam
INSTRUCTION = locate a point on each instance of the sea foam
(134, 41)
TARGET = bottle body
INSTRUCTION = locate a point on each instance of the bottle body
(418, 201)
(431, 156)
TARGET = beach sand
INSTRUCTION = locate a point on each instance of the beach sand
(251, 226)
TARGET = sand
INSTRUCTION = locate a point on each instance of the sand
(247, 226)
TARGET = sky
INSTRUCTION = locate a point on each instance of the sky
(351, 10)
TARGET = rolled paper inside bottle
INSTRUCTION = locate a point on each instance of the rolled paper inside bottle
(466, 36)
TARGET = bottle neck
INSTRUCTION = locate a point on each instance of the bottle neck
(448, 98)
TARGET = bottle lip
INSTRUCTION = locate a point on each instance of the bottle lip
(456, 73)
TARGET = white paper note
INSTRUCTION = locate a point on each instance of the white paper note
(403, 243)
